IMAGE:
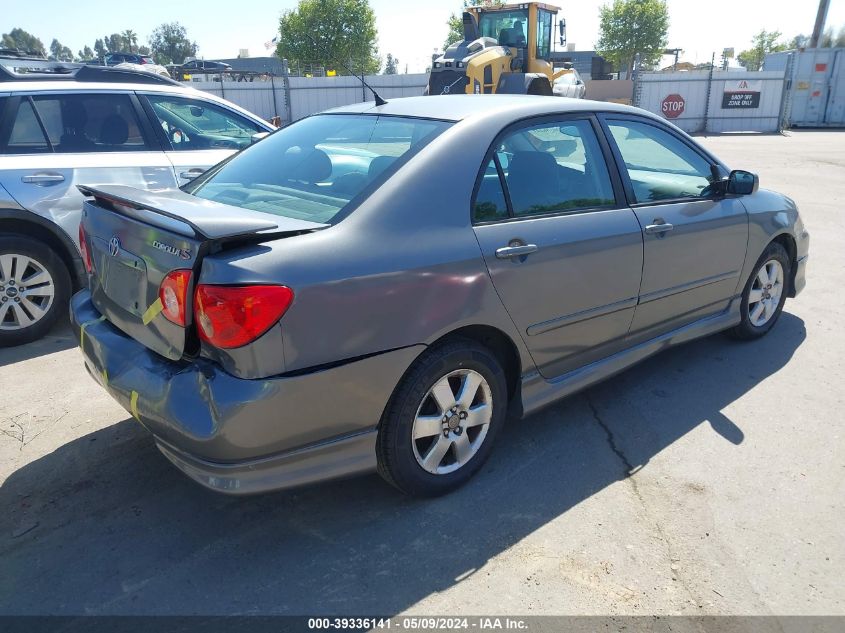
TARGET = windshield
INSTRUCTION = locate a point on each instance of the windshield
(318, 167)
(509, 28)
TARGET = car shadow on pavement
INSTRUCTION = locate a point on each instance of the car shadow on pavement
(59, 338)
(105, 525)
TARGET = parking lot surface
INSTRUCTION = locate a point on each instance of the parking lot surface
(707, 480)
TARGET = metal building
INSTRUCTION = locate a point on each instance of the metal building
(816, 88)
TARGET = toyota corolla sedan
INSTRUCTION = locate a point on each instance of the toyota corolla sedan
(381, 287)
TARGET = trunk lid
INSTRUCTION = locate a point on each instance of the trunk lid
(136, 237)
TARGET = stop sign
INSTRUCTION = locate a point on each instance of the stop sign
(672, 106)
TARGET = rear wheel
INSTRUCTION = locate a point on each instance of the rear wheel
(440, 424)
(34, 289)
(764, 294)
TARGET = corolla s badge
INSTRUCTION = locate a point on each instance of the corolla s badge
(184, 253)
(114, 246)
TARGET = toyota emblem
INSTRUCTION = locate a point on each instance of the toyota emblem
(114, 246)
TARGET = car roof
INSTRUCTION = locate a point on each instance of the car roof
(460, 107)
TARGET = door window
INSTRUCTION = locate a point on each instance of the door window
(544, 33)
(554, 167)
(90, 123)
(660, 165)
(191, 124)
(490, 201)
(26, 136)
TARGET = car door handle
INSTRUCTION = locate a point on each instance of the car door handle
(43, 179)
(506, 252)
(191, 174)
(658, 229)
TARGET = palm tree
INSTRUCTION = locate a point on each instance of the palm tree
(130, 38)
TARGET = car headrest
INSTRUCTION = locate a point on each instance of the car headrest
(315, 166)
(74, 116)
(532, 167)
(114, 130)
(379, 164)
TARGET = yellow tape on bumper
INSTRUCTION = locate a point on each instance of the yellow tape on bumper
(133, 405)
(85, 325)
(152, 311)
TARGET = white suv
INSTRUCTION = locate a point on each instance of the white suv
(66, 125)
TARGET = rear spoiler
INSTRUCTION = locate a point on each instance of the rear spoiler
(188, 215)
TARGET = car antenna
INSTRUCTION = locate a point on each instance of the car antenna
(379, 100)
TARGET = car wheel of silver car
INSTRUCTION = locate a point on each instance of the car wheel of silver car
(440, 424)
(764, 294)
(34, 289)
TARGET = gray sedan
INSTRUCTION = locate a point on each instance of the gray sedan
(380, 287)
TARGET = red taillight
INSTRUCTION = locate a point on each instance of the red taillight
(83, 247)
(232, 316)
(173, 293)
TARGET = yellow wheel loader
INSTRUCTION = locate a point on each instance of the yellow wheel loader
(506, 49)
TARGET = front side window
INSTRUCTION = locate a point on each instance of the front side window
(554, 167)
(660, 165)
(509, 28)
(544, 33)
(192, 124)
(90, 123)
(318, 167)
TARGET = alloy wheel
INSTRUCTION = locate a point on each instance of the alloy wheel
(765, 294)
(27, 291)
(452, 421)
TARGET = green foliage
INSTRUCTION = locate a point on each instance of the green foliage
(60, 52)
(762, 43)
(343, 30)
(169, 44)
(390, 65)
(85, 54)
(18, 38)
(100, 48)
(829, 40)
(130, 40)
(114, 43)
(628, 27)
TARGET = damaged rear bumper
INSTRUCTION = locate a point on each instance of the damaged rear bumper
(242, 436)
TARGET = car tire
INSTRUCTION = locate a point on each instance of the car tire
(27, 315)
(426, 446)
(764, 294)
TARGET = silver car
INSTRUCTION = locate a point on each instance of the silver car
(96, 125)
(379, 287)
(570, 85)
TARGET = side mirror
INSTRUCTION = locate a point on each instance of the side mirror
(743, 183)
(561, 27)
(197, 111)
(258, 136)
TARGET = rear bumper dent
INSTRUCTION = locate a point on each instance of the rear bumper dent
(243, 436)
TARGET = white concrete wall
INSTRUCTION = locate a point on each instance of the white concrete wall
(692, 86)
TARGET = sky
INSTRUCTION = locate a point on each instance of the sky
(410, 31)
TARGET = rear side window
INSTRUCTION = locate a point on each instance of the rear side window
(90, 123)
(552, 168)
(191, 124)
(26, 136)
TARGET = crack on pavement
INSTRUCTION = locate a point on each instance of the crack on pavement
(630, 471)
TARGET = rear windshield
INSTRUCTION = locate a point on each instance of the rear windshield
(318, 167)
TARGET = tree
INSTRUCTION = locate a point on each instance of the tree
(143, 50)
(326, 32)
(169, 44)
(829, 40)
(130, 40)
(391, 65)
(100, 49)
(762, 43)
(114, 43)
(60, 52)
(86, 54)
(628, 27)
(18, 38)
(799, 41)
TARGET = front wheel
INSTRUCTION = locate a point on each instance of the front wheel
(34, 289)
(440, 424)
(764, 294)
